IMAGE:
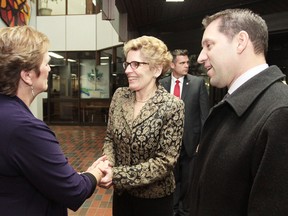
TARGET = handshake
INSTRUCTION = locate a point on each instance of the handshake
(102, 170)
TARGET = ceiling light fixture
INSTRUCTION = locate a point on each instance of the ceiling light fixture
(174, 0)
(104, 57)
(55, 55)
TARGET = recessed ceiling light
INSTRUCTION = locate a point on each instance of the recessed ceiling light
(55, 55)
(174, 0)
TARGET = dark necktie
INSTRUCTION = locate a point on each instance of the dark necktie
(177, 88)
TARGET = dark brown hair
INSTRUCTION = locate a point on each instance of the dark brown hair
(178, 52)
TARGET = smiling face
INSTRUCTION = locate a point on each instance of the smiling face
(218, 55)
(143, 77)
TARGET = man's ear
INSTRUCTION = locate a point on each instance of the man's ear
(172, 65)
(242, 39)
(26, 77)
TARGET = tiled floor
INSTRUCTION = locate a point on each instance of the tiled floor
(82, 145)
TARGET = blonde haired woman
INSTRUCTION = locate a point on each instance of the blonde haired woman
(144, 134)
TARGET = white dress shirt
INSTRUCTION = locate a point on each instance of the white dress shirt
(246, 76)
(173, 82)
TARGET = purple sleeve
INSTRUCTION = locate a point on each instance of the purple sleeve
(37, 155)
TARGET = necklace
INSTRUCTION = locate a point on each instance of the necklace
(141, 101)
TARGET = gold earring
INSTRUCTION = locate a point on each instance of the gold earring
(32, 89)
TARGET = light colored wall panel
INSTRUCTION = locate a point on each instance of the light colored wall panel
(106, 35)
(81, 32)
(36, 106)
(54, 28)
(32, 21)
(115, 38)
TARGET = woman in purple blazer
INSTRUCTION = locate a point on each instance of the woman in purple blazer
(35, 177)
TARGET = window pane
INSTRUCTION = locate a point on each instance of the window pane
(94, 111)
(83, 7)
(64, 72)
(77, 7)
(94, 79)
(119, 78)
(64, 111)
(78, 99)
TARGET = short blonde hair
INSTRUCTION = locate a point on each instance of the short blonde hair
(153, 50)
(21, 48)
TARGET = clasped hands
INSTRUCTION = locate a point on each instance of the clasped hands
(104, 168)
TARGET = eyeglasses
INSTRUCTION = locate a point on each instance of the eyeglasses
(134, 64)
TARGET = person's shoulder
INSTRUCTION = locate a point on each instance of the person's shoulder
(177, 100)
(14, 114)
(169, 98)
(122, 91)
(193, 77)
(165, 79)
(13, 107)
(174, 103)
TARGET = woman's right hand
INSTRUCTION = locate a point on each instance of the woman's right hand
(98, 168)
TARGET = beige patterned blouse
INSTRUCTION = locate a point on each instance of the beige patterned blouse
(144, 150)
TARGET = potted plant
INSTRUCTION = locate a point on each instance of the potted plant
(44, 9)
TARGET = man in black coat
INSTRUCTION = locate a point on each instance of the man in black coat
(241, 164)
(194, 94)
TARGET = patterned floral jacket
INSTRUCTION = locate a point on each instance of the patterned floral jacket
(144, 151)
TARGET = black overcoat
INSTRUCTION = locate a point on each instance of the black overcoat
(241, 166)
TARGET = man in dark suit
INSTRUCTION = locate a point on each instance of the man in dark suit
(194, 94)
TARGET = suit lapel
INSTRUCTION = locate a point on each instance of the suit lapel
(167, 83)
(128, 111)
(148, 110)
(185, 87)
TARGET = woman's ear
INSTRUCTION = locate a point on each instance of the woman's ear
(158, 71)
(26, 77)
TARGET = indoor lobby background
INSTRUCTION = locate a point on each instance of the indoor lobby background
(85, 60)
(87, 37)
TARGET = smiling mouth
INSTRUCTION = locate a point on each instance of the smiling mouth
(208, 68)
(131, 79)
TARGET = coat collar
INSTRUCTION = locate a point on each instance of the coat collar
(185, 86)
(246, 94)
